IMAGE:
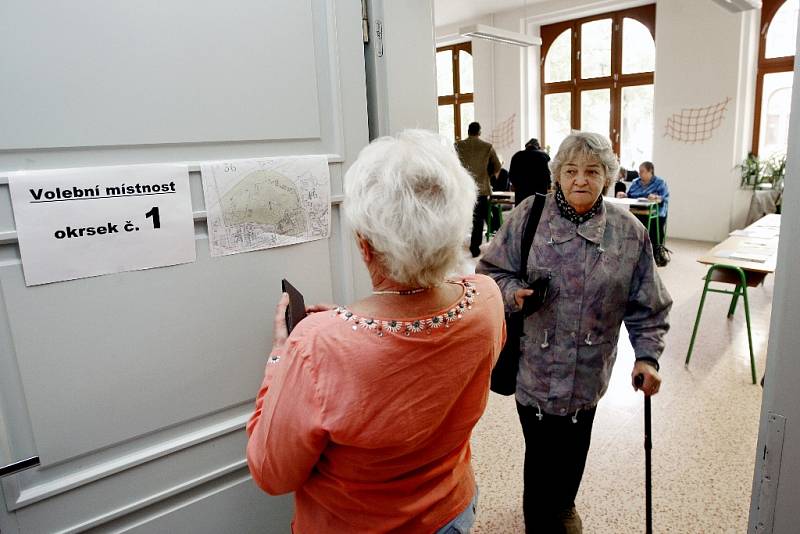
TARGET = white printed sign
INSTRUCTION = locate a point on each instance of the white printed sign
(77, 223)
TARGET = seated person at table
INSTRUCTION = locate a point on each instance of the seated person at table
(501, 181)
(619, 185)
(651, 187)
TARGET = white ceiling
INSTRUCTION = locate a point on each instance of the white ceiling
(452, 11)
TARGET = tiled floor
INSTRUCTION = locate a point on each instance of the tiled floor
(705, 424)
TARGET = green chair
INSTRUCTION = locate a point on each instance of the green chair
(729, 274)
(651, 214)
(492, 225)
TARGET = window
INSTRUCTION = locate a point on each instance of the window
(775, 77)
(597, 75)
(455, 89)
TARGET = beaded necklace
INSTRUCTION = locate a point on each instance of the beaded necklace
(401, 291)
(416, 326)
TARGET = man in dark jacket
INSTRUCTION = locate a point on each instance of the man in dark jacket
(480, 159)
(529, 171)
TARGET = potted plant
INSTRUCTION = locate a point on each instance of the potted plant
(763, 174)
(762, 179)
(750, 169)
(774, 171)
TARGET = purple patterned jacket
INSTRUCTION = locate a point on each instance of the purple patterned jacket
(602, 273)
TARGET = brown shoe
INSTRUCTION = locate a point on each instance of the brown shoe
(571, 521)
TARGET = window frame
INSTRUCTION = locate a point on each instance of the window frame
(457, 98)
(616, 81)
(769, 8)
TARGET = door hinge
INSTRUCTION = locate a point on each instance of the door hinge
(770, 471)
(379, 35)
(364, 22)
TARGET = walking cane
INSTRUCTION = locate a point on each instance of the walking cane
(648, 446)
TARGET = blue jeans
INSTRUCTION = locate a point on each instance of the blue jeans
(463, 521)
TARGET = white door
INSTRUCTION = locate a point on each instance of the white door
(133, 389)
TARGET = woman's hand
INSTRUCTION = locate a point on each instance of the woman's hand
(520, 295)
(652, 380)
(654, 197)
(279, 330)
(321, 307)
(280, 333)
(621, 194)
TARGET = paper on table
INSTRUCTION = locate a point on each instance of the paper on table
(761, 233)
(742, 255)
(746, 256)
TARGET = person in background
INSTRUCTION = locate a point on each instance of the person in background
(650, 186)
(599, 264)
(480, 159)
(366, 411)
(499, 183)
(619, 185)
(529, 171)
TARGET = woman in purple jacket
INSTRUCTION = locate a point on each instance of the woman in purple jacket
(599, 263)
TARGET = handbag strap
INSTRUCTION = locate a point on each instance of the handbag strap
(530, 230)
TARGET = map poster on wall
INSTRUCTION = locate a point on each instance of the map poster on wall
(77, 223)
(262, 203)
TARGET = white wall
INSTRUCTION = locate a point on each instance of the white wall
(702, 177)
(699, 58)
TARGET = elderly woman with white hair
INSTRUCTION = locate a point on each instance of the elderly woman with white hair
(366, 410)
(597, 261)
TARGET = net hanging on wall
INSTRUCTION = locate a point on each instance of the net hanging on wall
(502, 135)
(696, 125)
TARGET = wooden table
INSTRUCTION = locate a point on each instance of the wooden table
(640, 206)
(631, 202)
(744, 259)
(502, 197)
(753, 249)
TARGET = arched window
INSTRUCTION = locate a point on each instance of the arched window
(455, 88)
(776, 51)
(597, 75)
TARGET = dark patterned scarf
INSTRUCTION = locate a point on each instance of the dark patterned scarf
(569, 213)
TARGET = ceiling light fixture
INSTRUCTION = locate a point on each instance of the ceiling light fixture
(737, 6)
(491, 33)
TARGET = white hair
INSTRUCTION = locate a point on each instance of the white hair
(590, 144)
(412, 200)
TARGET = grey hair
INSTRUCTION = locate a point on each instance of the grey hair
(410, 197)
(590, 144)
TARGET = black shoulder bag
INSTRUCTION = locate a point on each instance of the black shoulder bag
(504, 374)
